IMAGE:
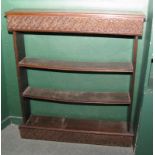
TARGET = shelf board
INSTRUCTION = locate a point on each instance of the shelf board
(74, 130)
(77, 97)
(118, 67)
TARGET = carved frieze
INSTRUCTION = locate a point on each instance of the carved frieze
(76, 23)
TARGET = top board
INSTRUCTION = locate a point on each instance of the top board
(75, 22)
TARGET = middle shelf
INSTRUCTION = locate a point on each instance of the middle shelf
(116, 67)
(77, 97)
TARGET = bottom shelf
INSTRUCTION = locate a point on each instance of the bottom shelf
(77, 131)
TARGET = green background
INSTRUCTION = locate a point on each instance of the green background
(76, 48)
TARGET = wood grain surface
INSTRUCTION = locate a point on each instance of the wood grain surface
(64, 22)
(118, 67)
(77, 97)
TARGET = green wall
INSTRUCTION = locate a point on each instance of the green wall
(146, 63)
(79, 49)
(66, 47)
(144, 144)
(144, 117)
(4, 106)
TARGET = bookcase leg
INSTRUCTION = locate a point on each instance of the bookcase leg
(19, 49)
(132, 80)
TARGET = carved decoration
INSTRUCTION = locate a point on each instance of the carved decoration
(106, 24)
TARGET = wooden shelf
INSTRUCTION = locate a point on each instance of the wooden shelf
(77, 97)
(120, 67)
(74, 130)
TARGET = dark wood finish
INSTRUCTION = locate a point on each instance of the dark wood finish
(79, 131)
(132, 79)
(118, 67)
(69, 130)
(89, 23)
(77, 97)
(76, 125)
(21, 73)
(134, 58)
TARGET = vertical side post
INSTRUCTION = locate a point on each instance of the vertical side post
(132, 80)
(19, 50)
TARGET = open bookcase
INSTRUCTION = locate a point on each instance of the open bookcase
(65, 129)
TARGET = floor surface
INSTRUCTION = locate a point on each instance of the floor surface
(12, 144)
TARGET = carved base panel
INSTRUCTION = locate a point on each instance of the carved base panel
(77, 131)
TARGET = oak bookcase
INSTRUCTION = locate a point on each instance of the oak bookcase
(65, 129)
